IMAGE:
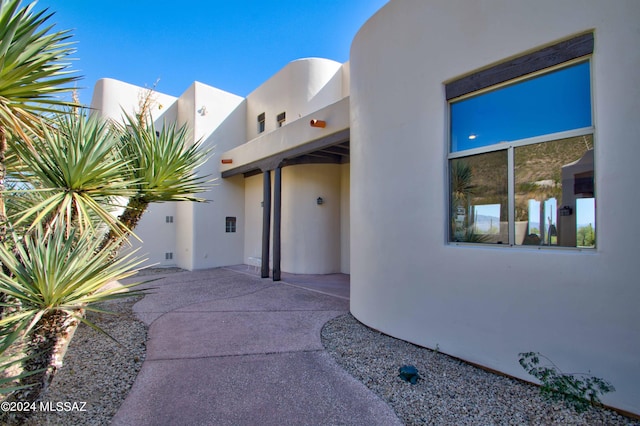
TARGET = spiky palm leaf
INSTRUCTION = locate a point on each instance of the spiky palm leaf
(163, 162)
(164, 166)
(461, 180)
(9, 382)
(76, 174)
(33, 71)
(10, 363)
(56, 271)
(54, 277)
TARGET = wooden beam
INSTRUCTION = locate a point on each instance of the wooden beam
(266, 222)
(277, 209)
(546, 57)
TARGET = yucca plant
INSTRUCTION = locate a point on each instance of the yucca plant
(77, 175)
(68, 174)
(33, 72)
(163, 165)
(10, 366)
(55, 276)
(462, 187)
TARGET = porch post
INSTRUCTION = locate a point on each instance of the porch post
(266, 222)
(277, 203)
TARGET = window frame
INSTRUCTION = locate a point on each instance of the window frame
(262, 120)
(546, 60)
(231, 224)
(511, 192)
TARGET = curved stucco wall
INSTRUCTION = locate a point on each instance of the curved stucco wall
(301, 87)
(312, 239)
(311, 232)
(487, 304)
(112, 97)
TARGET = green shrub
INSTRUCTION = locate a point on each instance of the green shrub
(578, 391)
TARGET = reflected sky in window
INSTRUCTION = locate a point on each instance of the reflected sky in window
(550, 103)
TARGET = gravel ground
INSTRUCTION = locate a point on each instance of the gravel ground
(100, 372)
(450, 392)
(96, 370)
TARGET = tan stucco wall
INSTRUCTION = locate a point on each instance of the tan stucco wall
(487, 304)
(345, 219)
(301, 87)
(312, 235)
(311, 232)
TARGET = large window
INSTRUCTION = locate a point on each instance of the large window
(521, 161)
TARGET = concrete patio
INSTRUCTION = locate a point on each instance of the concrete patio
(226, 347)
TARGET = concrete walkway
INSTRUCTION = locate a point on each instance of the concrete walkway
(226, 347)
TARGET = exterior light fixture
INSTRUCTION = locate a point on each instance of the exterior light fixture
(227, 161)
(318, 123)
(319, 201)
(203, 110)
(409, 373)
(472, 136)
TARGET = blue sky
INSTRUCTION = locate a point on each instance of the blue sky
(234, 45)
(550, 103)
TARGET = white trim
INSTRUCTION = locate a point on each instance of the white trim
(511, 196)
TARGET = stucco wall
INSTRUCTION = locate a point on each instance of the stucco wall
(216, 118)
(345, 216)
(253, 218)
(291, 136)
(311, 232)
(111, 98)
(487, 304)
(301, 87)
(197, 237)
(312, 241)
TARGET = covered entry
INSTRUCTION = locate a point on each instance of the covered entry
(302, 201)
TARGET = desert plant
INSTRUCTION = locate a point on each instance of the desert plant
(69, 172)
(579, 391)
(33, 72)
(10, 365)
(54, 277)
(76, 175)
(162, 165)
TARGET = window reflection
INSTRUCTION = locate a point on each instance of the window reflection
(553, 102)
(554, 193)
(480, 198)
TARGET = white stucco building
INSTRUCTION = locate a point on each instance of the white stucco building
(453, 167)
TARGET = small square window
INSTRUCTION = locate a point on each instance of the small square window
(261, 122)
(282, 117)
(230, 224)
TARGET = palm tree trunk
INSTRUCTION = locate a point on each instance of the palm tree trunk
(129, 218)
(46, 346)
